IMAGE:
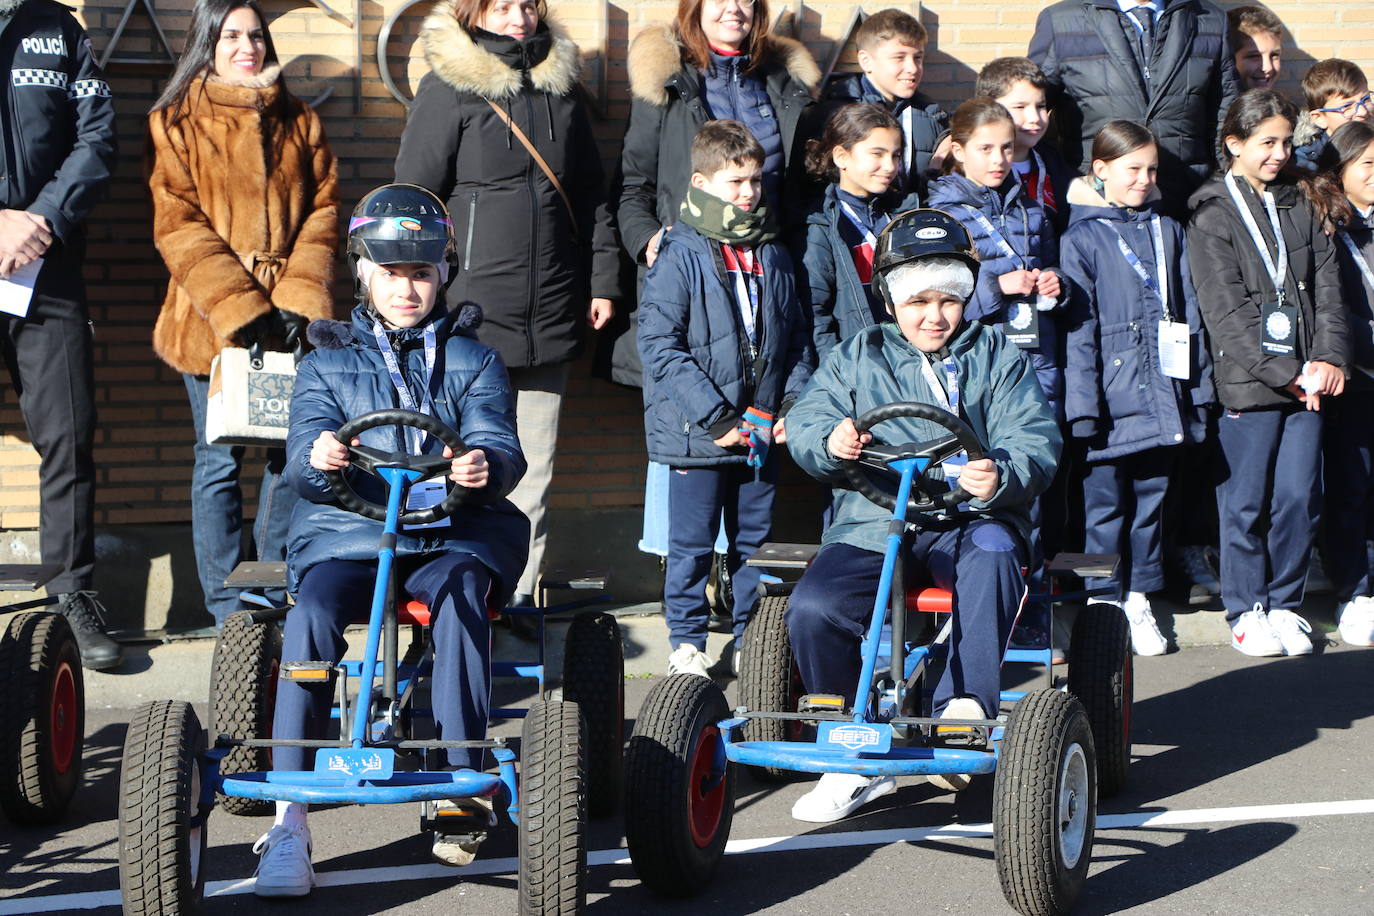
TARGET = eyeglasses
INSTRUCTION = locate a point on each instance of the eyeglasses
(1351, 109)
(722, 4)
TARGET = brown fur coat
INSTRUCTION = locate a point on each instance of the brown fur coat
(245, 215)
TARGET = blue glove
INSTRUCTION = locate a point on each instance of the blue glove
(756, 426)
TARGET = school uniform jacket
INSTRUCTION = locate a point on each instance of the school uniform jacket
(1359, 300)
(1116, 395)
(1233, 286)
(698, 378)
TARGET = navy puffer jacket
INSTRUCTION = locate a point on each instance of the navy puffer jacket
(924, 122)
(346, 378)
(697, 372)
(732, 94)
(1116, 395)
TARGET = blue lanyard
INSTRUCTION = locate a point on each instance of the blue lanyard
(881, 221)
(1158, 283)
(997, 237)
(1278, 273)
(1360, 263)
(393, 367)
(948, 400)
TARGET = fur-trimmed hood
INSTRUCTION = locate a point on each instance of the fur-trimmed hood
(1306, 130)
(459, 60)
(1083, 194)
(656, 57)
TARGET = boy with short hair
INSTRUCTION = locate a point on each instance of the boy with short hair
(1257, 39)
(726, 350)
(1019, 86)
(1336, 92)
(925, 268)
(892, 55)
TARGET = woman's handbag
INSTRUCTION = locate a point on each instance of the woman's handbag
(250, 397)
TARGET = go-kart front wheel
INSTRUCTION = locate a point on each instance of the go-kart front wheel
(1100, 675)
(243, 695)
(162, 833)
(553, 811)
(1044, 806)
(42, 719)
(594, 679)
(769, 680)
(679, 788)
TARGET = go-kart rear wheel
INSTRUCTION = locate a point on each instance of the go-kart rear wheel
(1044, 805)
(553, 809)
(42, 720)
(679, 788)
(243, 695)
(1100, 675)
(594, 678)
(162, 833)
(769, 680)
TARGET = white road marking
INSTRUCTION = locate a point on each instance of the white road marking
(90, 900)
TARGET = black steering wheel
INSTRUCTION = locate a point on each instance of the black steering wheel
(878, 456)
(370, 459)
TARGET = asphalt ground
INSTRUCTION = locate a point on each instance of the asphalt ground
(1250, 792)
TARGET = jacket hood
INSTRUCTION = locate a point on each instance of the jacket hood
(1284, 190)
(1086, 203)
(656, 57)
(491, 66)
(957, 189)
(328, 334)
(1306, 130)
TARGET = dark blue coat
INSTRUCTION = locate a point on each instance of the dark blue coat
(733, 94)
(697, 373)
(1115, 393)
(471, 394)
(928, 124)
(829, 286)
(1029, 230)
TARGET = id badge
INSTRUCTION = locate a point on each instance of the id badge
(423, 495)
(952, 467)
(1022, 326)
(1278, 328)
(1175, 350)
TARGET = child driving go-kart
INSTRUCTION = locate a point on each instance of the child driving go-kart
(402, 349)
(925, 269)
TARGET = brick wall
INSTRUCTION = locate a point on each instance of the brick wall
(144, 439)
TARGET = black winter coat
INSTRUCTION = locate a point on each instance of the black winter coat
(519, 255)
(59, 140)
(1232, 286)
(667, 107)
(1082, 47)
(922, 131)
(1359, 299)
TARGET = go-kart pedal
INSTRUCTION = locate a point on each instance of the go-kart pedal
(309, 672)
(821, 702)
(459, 825)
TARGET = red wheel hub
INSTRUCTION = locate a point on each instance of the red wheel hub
(706, 789)
(63, 716)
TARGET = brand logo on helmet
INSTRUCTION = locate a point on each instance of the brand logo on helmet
(410, 225)
(931, 233)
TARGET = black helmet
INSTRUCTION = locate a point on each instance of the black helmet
(402, 224)
(916, 234)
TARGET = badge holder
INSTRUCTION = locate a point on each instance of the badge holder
(1278, 324)
(1022, 326)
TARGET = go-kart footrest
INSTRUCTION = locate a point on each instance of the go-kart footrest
(309, 672)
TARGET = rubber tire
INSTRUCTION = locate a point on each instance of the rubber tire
(679, 712)
(1030, 864)
(42, 718)
(242, 699)
(1102, 676)
(768, 679)
(594, 678)
(553, 810)
(158, 785)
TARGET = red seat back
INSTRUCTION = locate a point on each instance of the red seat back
(929, 600)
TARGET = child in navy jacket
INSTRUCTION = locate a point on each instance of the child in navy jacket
(725, 350)
(1137, 377)
(859, 153)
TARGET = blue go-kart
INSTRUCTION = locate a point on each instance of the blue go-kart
(1051, 749)
(569, 749)
(42, 720)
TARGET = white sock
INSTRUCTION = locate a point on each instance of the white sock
(290, 814)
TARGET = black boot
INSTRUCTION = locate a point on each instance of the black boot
(87, 617)
(523, 626)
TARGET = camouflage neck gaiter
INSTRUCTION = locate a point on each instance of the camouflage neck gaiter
(726, 223)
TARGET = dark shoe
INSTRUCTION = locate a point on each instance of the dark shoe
(87, 617)
(523, 626)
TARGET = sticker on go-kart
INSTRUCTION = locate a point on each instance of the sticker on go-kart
(368, 763)
(859, 737)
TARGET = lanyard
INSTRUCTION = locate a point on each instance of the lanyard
(869, 238)
(1039, 183)
(949, 401)
(1359, 260)
(909, 139)
(1276, 274)
(1160, 282)
(997, 237)
(741, 262)
(393, 367)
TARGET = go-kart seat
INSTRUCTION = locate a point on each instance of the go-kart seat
(929, 600)
(416, 613)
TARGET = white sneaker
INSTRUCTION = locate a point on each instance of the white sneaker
(1145, 636)
(688, 659)
(459, 849)
(837, 795)
(1251, 634)
(1355, 622)
(958, 708)
(284, 868)
(1292, 631)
